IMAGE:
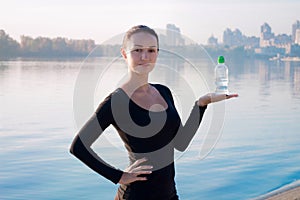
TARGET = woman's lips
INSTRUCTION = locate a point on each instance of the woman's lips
(145, 64)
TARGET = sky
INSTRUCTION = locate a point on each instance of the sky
(101, 20)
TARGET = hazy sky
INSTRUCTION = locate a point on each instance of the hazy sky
(100, 20)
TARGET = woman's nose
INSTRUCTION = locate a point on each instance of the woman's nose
(144, 55)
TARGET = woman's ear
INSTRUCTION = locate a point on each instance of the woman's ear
(123, 52)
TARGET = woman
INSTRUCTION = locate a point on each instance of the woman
(146, 119)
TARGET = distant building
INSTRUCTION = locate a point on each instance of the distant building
(295, 26)
(2, 33)
(212, 41)
(266, 36)
(173, 36)
(270, 51)
(270, 43)
(295, 50)
(282, 40)
(237, 39)
(233, 38)
(297, 36)
(251, 42)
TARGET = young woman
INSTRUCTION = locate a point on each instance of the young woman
(147, 121)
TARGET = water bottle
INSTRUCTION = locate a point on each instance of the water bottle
(221, 76)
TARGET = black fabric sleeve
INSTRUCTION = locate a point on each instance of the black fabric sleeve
(187, 131)
(88, 134)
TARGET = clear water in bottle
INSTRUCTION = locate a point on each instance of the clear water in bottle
(221, 76)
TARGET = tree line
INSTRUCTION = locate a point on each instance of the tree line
(43, 47)
(63, 47)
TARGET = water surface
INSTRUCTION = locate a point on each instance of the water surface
(256, 152)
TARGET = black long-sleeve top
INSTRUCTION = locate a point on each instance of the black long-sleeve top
(145, 133)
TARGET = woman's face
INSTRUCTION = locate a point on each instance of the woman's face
(141, 52)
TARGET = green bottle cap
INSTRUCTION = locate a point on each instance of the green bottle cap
(221, 59)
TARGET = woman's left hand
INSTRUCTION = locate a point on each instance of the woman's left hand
(214, 97)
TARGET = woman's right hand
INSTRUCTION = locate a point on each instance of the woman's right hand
(131, 174)
(214, 97)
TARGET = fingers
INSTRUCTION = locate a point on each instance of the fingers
(142, 168)
(130, 178)
(228, 96)
(133, 172)
(138, 174)
(138, 162)
(214, 97)
(138, 169)
(138, 178)
(218, 97)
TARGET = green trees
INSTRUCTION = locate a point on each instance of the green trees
(57, 47)
(8, 46)
(43, 47)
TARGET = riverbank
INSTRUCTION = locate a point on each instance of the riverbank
(293, 194)
(288, 192)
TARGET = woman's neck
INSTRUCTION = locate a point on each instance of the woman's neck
(136, 83)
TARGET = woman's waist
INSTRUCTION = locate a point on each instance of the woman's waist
(151, 189)
(158, 159)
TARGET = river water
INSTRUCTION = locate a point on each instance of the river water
(254, 150)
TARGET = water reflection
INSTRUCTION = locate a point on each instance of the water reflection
(268, 73)
(258, 150)
(295, 83)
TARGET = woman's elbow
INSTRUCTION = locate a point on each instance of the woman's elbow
(181, 147)
(72, 149)
(75, 146)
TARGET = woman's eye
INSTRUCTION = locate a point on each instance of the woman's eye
(138, 50)
(151, 50)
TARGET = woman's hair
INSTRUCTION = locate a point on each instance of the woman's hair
(138, 29)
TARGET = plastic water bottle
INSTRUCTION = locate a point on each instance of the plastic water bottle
(221, 76)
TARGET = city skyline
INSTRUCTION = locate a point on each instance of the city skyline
(234, 42)
(101, 20)
(168, 29)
